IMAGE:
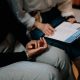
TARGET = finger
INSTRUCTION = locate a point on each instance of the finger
(48, 32)
(44, 40)
(35, 51)
(29, 47)
(38, 44)
(32, 44)
(40, 39)
(51, 28)
(32, 52)
(45, 43)
(71, 20)
(35, 44)
(41, 42)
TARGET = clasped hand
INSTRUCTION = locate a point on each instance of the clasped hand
(36, 47)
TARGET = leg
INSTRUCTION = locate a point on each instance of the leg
(77, 63)
(29, 71)
(74, 53)
(57, 57)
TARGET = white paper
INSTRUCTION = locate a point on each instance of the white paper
(64, 31)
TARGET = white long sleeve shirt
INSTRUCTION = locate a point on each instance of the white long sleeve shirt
(65, 6)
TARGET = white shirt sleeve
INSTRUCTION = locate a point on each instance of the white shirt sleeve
(28, 20)
(24, 16)
(66, 8)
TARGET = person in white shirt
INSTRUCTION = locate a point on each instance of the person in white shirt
(24, 9)
(48, 12)
(43, 6)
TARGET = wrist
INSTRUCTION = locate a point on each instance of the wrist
(28, 56)
(36, 24)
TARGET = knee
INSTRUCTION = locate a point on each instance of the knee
(59, 54)
(63, 57)
(63, 60)
(49, 73)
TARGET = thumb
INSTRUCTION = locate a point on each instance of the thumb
(34, 52)
(29, 47)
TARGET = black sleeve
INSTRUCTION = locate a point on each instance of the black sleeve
(17, 28)
(8, 58)
(10, 23)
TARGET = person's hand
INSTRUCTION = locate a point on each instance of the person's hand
(47, 29)
(72, 20)
(36, 47)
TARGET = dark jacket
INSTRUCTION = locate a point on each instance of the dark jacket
(10, 24)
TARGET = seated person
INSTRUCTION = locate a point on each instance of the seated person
(48, 62)
(48, 10)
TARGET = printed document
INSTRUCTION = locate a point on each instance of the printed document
(66, 32)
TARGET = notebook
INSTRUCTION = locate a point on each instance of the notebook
(66, 32)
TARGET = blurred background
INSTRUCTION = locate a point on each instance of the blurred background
(76, 6)
(76, 3)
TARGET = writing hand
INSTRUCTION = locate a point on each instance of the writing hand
(47, 29)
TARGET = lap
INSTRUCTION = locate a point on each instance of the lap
(27, 71)
(53, 56)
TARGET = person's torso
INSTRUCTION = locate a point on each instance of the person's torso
(42, 5)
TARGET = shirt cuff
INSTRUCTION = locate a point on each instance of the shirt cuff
(65, 14)
(28, 20)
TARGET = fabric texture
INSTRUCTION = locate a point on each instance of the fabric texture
(29, 71)
(63, 5)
